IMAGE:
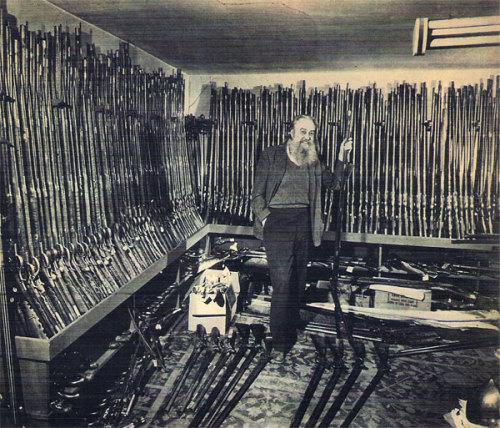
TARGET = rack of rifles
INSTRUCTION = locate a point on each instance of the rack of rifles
(95, 182)
(425, 159)
(98, 179)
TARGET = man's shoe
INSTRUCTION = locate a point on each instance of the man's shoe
(280, 358)
(302, 324)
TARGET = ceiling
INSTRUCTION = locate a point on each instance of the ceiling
(236, 36)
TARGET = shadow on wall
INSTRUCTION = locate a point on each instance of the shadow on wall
(42, 15)
(203, 101)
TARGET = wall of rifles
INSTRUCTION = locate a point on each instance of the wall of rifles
(426, 158)
(95, 178)
(99, 179)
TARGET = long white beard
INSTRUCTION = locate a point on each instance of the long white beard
(304, 155)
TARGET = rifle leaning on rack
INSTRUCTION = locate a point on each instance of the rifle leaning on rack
(343, 328)
(321, 364)
(7, 335)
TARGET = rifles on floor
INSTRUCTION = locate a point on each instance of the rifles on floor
(321, 364)
(227, 391)
(106, 395)
(265, 357)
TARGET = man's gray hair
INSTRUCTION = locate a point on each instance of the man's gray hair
(302, 116)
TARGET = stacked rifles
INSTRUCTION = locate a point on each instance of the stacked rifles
(95, 172)
(425, 158)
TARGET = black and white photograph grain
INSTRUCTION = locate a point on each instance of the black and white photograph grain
(249, 213)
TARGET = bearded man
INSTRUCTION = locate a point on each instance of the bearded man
(286, 201)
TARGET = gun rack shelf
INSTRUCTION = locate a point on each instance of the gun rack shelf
(36, 354)
(48, 349)
(374, 239)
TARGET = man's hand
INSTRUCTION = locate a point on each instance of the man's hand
(345, 150)
(264, 222)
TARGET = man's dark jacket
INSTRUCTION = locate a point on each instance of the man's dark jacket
(268, 175)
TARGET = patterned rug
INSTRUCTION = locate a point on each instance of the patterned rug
(417, 392)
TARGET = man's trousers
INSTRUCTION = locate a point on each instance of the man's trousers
(287, 238)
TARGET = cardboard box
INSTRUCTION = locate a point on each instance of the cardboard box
(207, 311)
(363, 300)
(393, 297)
